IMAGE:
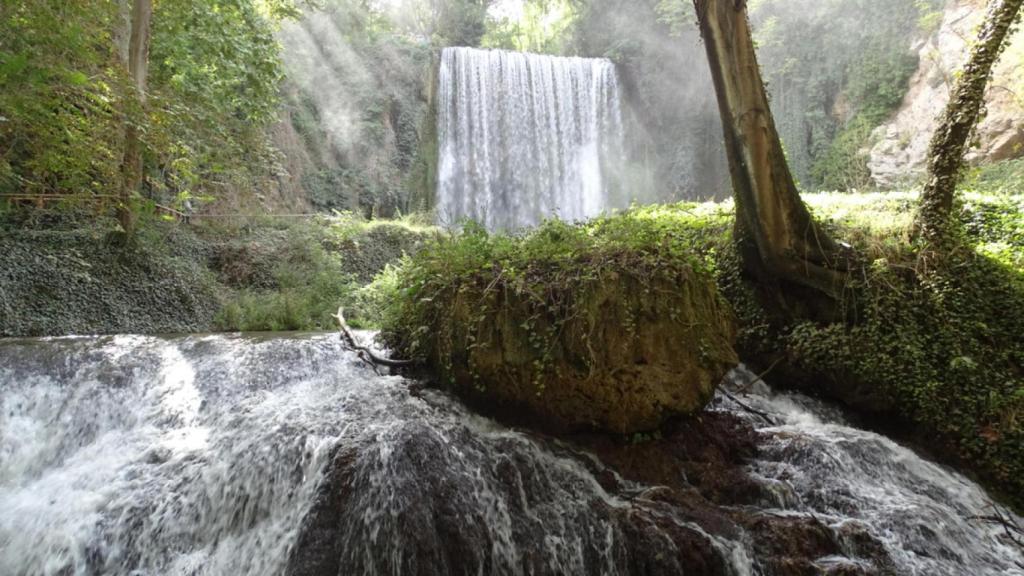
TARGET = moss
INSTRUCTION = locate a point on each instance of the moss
(555, 256)
(615, 324)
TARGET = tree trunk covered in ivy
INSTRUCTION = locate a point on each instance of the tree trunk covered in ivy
(138, 68)
(779, 238)
(949, 143)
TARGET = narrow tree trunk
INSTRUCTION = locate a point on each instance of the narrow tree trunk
(779, 238)
(946, 154)
(138, 67)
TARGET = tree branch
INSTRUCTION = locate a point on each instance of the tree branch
(350, 340)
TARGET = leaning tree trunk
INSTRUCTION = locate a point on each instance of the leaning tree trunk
(946, 154)
(779, 239)
(138, 67)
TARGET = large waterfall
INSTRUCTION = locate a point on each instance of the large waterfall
(523, 137)
(225, 455)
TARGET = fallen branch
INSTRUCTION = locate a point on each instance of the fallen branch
(763, 415)
(1012, 531)
(366, 353)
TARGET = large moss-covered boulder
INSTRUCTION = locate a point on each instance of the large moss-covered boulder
(567, 330)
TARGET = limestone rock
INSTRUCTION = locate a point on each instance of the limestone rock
(901, 148)
(635, 353)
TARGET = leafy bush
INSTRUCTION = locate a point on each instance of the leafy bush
(296, 277)
(58, 94)
(66, 99)
(1005, 177)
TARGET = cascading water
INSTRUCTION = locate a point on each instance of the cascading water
(258, 455)
(523, 137)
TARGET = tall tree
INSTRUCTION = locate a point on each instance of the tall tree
(949, 143)
(138, 67)
(779, 239)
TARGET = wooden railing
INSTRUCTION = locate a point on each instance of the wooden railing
(104, 202)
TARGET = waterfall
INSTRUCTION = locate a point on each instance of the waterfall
(523, 137)
(211, 455)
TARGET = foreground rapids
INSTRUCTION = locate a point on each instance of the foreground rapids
(287, 455)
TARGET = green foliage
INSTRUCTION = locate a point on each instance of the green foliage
(1006, 177)
(935, 341)
(65, 98)
(844, 165)
(217, 55)
(441, 22)
(550, 268)
(679, 15)
(214, 83)
(996, 223)
(59, 85)
(296, 276)
(363, 128)
(308, 286)
(459, 22)
(542, 26)
(944, 346)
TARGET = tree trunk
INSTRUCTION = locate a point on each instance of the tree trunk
(946, 154)
(779, 239)
(138, 68)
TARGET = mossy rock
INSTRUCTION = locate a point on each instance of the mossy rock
(635, 351)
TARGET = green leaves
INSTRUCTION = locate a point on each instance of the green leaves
(12, 65)
(66, 100)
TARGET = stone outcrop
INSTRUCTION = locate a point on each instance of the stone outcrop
(900, 152)
(632, 354)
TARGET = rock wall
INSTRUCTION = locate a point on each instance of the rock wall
(636, 352)
(356, 119)
(898, 156)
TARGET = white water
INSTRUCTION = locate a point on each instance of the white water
(861, 482)
(523, 137)
(204, 455)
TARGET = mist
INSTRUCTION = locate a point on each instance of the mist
(362, 80)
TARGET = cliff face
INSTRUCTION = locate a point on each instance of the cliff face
(901, 145)
(356, 122)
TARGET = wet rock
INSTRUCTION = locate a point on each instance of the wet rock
(467, 500)
(444, 502)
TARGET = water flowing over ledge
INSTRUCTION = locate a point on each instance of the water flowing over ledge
(229, 455)
(523, 137)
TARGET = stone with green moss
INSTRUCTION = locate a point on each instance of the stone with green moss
(572, 327)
